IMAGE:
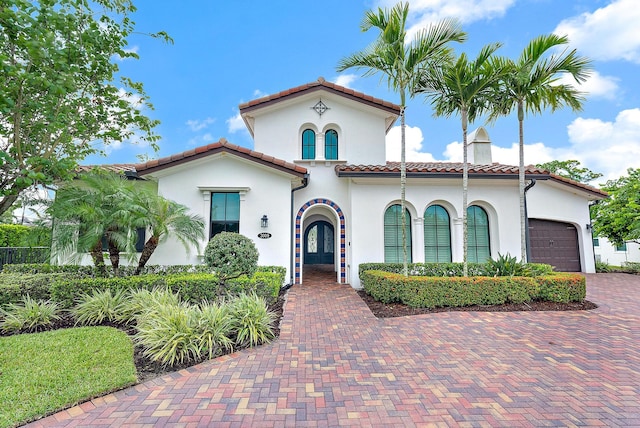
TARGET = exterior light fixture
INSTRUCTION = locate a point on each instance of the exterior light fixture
(264, 221)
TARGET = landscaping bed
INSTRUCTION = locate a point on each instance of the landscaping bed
(390, 310)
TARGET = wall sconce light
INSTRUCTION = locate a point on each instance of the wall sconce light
(589, 227)
(264, 221)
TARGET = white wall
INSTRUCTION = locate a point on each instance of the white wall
(606, 252)
(264, 191)
(361, 129)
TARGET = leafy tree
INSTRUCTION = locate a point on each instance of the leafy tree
(399, 62)
(231, 255)
(163, 218)
(99, 205)
(464, 87)
(618, 217)
(570, 169)
(58, 95)
(531, 86)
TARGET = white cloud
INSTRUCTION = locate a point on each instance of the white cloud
(596, 86)
(609, 33)
(413, 145)
(345, 80)
(201, 140)
(235, 124)
(198, 125)
(259, 94)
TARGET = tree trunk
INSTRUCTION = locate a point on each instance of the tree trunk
(465, 186)
(98, 258)
(114, 257)
(6, 202)
(149, 247)
(523, 220)
(403, 185)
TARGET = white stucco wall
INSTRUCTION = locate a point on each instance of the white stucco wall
(608, 253)
(361, 129)
(263, 191)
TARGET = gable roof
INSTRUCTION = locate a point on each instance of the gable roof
(455, 170)
(319, 85)
(316, 86)
(221, 146)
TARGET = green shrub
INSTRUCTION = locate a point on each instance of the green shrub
(450, 269)
(169, 334)
(194, 287)
(231, 255)
(264, 284)
(603, 267)
(251, 320)
(631, 267)
(98, 307)
(506, 265)
(563, 287)
(433, 291)
(82, 271)
(279, 270)
(214, 329)
(13, 235)
(13, 287)
(138, 301)
(29, 316)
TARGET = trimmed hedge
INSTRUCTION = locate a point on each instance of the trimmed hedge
(13, 287)
(13, 235)
(264, 284)
(449, 269)
(434, 291)
(81, 271)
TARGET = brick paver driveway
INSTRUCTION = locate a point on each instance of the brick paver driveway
(336, 364)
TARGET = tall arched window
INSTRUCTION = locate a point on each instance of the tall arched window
(331, 144)
(478, 245)
(308, 144)
(393, 234)
(437, 235)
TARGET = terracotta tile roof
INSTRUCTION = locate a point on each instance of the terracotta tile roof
(116, 167)
(315, 86)
(221, 146)
(454, 169)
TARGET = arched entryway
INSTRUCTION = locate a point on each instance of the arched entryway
(319, 245)
(327, 215)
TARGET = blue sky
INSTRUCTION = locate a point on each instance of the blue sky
(229, 52)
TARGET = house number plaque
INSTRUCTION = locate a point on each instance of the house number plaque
(264, 235)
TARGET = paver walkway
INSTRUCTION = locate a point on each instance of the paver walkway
(335, 364)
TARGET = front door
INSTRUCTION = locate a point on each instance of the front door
(318, 243)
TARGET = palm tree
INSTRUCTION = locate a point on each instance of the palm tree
(163, 217)
(86, 212)
(463, 87)
(399, 62)
(530, 86)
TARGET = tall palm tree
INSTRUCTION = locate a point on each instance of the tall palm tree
(163, 217)
(399, 62)
(463, 87)
(530, 86)
(94, 208)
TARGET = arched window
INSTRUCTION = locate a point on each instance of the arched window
(478, 245)
(437, 235)
(331, 144)
(308, 144)
(393, 234)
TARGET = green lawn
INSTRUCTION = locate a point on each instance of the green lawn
(44, 372)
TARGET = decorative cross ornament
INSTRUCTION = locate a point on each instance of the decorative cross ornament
(320, 107)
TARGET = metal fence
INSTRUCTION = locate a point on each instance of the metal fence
(15, 255)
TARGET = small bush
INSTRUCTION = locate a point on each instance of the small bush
(506, 265)
(214, 329)
(29, 316)
(563, 288)
(98, 307)
(231, 255)
(13, 287)
(251, 320)
(138, 301)
(264, 284)
(169, 334)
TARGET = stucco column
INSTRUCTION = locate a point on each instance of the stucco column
(206, 210)
(456, 240)
(320, 146)
(418, 240)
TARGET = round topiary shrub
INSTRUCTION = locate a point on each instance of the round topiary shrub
(231, 255)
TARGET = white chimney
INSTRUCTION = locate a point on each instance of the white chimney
(479, 147)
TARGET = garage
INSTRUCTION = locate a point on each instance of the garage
(554, 243)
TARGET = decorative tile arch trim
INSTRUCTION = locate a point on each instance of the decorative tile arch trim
(338, 211)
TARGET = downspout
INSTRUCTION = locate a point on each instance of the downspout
(526, 219)
(305, 183)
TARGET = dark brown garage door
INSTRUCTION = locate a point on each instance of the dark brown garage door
(554, 243)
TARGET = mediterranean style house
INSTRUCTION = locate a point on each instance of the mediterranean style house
(316, 189)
